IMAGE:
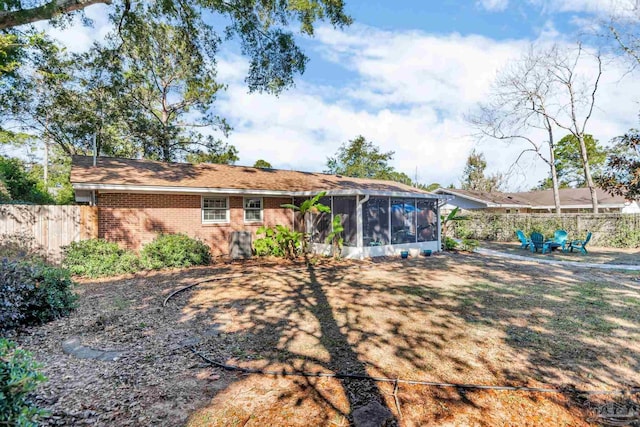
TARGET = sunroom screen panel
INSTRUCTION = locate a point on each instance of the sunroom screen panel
(321, 223)
(403, 221)
(375, 221)
(346, 207)
(427, 220)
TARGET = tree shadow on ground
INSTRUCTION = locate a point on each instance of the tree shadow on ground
(449, 318)
(467, 319)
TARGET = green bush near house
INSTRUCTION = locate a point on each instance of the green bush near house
(174, 250)
(19, 377)
(469, 245)
(98, 258)
(32, 293)
(278, 241)
(449, 244)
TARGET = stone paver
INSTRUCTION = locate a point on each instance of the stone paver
(371, 415)
(73, 346)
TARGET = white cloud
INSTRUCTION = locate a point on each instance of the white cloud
(407, 91)
(77, 37)
(409, 94)
(493, 5)
(620, 8)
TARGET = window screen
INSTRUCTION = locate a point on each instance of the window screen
(427, 220)
(321, 223)
(403, 221)
(375, 226)
(346, 208)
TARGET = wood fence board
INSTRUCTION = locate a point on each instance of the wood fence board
(48, 228)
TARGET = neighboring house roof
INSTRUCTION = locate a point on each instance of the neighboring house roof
(146, 175)
(494, 199)
(569, 198)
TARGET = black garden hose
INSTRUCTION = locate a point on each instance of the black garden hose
(338, 375)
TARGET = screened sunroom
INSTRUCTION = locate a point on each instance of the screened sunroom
(377, 223)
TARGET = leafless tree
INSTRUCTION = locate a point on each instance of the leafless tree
(517, 107)
(624, 27)
(576, 99)
(548, 89)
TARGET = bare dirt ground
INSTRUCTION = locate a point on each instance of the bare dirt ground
(450, 318)
(595, 255)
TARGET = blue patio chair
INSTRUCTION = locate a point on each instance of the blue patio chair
(524, 242)
(537, 242)
(559, 240)
(580, 244)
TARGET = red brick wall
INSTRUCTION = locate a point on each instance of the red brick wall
(135, 219)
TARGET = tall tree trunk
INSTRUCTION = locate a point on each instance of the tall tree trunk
(48, 10)
(554, 172)
(587, 172)
(46, 162)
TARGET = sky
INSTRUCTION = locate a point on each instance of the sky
(405, 75)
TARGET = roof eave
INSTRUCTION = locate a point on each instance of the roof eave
(249, 191)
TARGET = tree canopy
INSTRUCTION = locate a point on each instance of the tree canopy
(621, 174)
(360, 158)
(260, 26)
(569, 166)
(149, 88)
(474, 178)
(17, 185)
(262, 164)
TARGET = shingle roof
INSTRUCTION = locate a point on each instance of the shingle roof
(495, 198)
(570, 197)
(117, 171)
(538, 199)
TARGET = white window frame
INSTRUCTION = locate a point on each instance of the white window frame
(214, 221)
(245, 209)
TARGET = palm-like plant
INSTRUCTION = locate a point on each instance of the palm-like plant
(335, 238)
(451, 217)
(309, 206)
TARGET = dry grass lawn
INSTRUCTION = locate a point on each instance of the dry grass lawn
(450, 318)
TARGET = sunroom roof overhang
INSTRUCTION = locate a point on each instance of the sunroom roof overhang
(372, 193)
(249, 191)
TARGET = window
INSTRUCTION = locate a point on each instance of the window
(215, 209)
(252, 209)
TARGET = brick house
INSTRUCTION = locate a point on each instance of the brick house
(138, 199)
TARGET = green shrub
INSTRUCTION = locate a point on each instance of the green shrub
(278, 241)
(21, 246)
(97, 257)
(175, 250)
(18, 378)
(469, 245)
(449, 244)
(33, 293)
(625, 236)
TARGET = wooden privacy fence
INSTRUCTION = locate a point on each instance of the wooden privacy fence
(46, 229)
(609, 229)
